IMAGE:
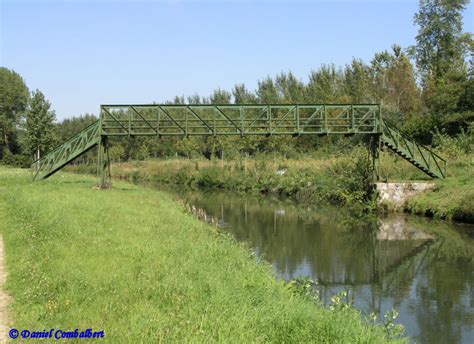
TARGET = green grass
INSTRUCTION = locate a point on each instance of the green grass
(130, 261)
(451, 199)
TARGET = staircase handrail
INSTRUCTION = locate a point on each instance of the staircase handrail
(390, 125)
(386, 124)
(63, 143)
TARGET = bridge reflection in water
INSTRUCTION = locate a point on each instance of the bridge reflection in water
(422, 268)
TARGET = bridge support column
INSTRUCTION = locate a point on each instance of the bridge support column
(374, 148)
(103, 164)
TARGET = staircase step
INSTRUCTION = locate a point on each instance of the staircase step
(407, 155)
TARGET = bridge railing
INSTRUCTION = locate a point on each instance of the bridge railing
(252, 119)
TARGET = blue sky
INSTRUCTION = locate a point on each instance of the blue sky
(85, 53)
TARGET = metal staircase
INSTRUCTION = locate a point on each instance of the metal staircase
(68, 151)
(418, 155)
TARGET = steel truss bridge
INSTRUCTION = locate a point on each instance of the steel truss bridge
(241, 120)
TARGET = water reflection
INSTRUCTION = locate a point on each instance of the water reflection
(422, 268)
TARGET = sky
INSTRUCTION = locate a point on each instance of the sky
(81, 54)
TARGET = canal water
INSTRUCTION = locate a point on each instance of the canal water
(422, 268)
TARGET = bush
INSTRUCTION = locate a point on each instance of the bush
(354, 177)
(453, 147)
(15, 160)
(211, 177)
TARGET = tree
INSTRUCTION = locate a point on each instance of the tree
(357, 82)
(267, 91)
(290, 89)
(440, 40)
(39, 126)
(220, 96)
(443, 94)
(194, 99)
(13, 101)
(394, 81)
(440, 52)
(242, 95)
(466, 102)
(325, 85)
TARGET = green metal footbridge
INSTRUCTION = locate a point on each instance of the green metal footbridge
(242, 120)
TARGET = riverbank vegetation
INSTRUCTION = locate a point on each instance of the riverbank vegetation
(341, 180)
(130, 261)
(338, 174)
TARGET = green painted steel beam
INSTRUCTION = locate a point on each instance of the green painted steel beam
(243, 120)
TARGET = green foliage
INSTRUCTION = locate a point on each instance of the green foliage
(305, 287)
(13, 102)
(355, 177)
(453, 147)
(39, 126)
(393, 330)
(395, 82)
(440, 53)
(267, 91)
(466, 101)
(440, 40)
(325, 85)
(443, 94)
(341, 301)
(421, 127)
(15, 160)
(289, 88)
(143, 152)
(242, 95)
(187, 147)
(454, 123)
(116, 153)
(69, 127)
(220, 97)
(211, 178)
(357, 83)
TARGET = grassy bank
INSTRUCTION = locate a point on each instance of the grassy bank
(130, 261)
(452, 199)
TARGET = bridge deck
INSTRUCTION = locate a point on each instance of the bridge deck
(252, 119)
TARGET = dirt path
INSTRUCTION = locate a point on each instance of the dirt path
(4, 298)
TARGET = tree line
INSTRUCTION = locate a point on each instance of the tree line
(423, 88)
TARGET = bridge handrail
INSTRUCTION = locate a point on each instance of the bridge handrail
(389, 128)
(68, 140)
(390, 125)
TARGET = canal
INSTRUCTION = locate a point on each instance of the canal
(422, 268)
